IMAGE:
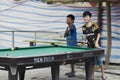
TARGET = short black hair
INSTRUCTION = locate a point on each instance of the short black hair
(87, 13)
(71, 16)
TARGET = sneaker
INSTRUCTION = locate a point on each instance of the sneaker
(71, 75)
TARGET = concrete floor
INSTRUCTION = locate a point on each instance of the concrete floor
(112, 73)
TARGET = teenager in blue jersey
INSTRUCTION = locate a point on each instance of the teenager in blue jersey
(71, 38)
(92, 33)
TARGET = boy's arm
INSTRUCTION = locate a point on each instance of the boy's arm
(97, 41)
(84, 39)
(69, 28)
(65, 34)
(97, 31)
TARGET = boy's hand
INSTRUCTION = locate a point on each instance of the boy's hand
(97, 45)
(66, 31)
(83, 42)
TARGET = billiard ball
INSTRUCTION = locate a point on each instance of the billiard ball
(12, 49)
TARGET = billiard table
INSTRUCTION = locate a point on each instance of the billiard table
(20, 59)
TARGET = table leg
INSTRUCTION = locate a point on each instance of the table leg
(55, 72)
(89, 68)
(13, 73)
(22, 73)
(32, 43)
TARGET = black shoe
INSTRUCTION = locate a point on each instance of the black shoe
(68, 73)
(72, 75)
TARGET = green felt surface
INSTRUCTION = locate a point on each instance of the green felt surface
(37, 51)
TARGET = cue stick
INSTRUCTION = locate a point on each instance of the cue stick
(71, 41)
(49, 42)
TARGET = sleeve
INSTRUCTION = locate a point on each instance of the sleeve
(97, 28)
(73, 28)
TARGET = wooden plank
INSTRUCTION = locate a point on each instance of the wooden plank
(100, 10)
(76, 0)
(109, 41)
(113, 0)
(56, 42)
(68, 1)
(46, 42)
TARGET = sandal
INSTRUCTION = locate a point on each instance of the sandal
(104, 78)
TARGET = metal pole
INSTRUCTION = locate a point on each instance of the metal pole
(13, 40)
(35, 36)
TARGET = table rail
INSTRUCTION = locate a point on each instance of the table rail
(27, 31)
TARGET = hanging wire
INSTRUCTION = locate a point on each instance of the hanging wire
(15, 2)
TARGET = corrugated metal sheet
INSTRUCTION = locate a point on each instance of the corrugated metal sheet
(34, 15)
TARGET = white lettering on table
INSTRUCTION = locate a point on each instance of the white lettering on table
(43, 59)
(88, 54)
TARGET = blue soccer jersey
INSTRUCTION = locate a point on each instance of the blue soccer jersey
(72, 37)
